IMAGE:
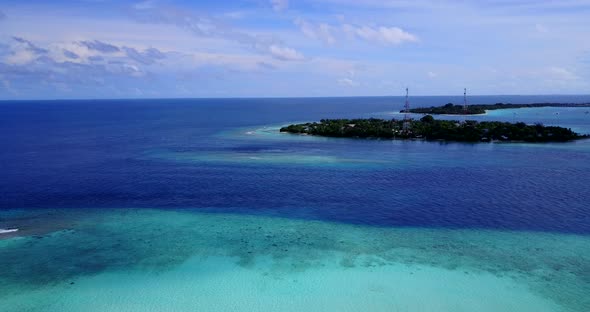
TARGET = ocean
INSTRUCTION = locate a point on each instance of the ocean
(202, 205)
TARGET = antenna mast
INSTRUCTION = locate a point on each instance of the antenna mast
(465, 106)
(406, 124)
(407, 105)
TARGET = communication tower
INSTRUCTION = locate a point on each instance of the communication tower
(465, 106)
(406, 125)
(407, 105)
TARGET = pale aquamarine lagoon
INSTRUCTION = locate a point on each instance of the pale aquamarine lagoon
(184, 260)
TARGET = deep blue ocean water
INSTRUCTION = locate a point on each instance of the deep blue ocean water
(217, 155)
(249, 219)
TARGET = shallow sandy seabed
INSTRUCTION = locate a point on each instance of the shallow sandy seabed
(264, 157)
(162, 260)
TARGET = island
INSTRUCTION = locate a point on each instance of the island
(451, 109)
(428, 128)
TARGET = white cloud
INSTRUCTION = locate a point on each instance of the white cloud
(234, 62)
(65, 64)
(375, 34)
(285, 53)
(437, 4)
(132, 70)
(322, 31)
(22, 51)
(207, 26)
(560, 73)
(279, 5)
(20, 57)
(380, 34)
(350, 80)
(347, 82)
(213, 46)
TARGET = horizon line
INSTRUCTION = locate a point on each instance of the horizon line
(275, 97)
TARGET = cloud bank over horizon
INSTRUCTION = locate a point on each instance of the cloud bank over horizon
(167, 48)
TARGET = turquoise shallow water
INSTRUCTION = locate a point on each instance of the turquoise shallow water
(156, 260)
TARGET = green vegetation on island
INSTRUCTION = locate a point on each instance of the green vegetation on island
(428, 128)
(451, 109)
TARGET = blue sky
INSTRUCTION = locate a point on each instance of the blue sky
(283, 48)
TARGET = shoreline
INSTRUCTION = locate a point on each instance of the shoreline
(435, 140)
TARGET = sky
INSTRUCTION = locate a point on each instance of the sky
(291, 48)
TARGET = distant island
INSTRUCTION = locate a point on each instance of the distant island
(427, 128)
(451, 109)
